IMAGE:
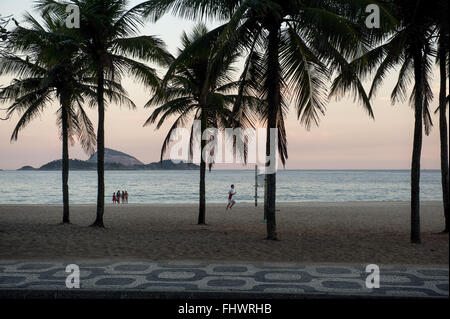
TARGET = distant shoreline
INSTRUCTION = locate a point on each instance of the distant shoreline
(79, 165)
(113, 160)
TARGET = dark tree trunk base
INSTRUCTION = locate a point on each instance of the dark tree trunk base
(98, 225)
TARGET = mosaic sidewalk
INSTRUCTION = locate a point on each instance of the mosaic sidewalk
(302, 280)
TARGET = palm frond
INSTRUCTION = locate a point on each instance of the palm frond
(148, 48)
(305, 75)
(35, 107)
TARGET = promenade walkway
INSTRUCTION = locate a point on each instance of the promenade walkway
(197, 279)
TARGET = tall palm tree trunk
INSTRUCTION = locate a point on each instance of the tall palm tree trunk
(65, 157)
(417, 149)
(273, 99)
(100, 148)
(443, 134)
(202, 198)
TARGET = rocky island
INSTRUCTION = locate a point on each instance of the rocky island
(114, 160)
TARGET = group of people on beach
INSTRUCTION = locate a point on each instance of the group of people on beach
(120, 196)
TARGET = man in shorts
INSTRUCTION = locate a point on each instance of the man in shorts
(231, 201)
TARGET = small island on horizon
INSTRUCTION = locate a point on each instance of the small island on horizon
(114, 160)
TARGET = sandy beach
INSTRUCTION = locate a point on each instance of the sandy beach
(344, 232)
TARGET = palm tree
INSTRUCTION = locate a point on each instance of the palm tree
(3, 23)
(410, 47)
(442, 60)
(298, 40)
(49, 70)
(198, 85)
(108, 39)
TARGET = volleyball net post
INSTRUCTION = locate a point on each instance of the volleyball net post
(260, 178)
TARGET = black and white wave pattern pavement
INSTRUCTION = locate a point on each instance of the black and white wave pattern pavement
(240, 277)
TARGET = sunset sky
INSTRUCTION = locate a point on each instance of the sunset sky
(345, 139)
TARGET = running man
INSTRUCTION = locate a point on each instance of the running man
(231, 201)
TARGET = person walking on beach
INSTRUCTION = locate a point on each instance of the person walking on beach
(231, 201)
(118, 197)
(123, 197)
(126, 197)
(114, 198)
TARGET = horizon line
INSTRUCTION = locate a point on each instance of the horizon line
(238, 169)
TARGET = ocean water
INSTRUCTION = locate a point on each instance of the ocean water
(44, 187)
